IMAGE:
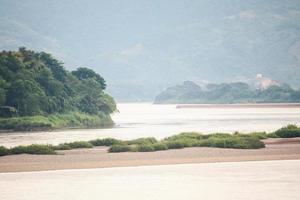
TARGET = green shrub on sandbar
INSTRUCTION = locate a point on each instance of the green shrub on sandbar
(182, 143)
(4, 151)
(258, 135)
(140, 141)
(79, 144)
(272, 135)
(119, 148)
(33, 149)
(105, 142)
(160, 146)
(62, 147)
(145, 148)
(288, 132)
(219, 140)
(186, 135)
(234, 142)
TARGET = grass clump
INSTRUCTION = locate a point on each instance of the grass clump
(234, 142)
(33, 149)
(63, 147)
(119, 148)
(272, 135)
(105, 142)
(185, 135)
(160, 146)
(176, 144)
(140, 141)
(288, 132)
(55, 121)
(145, 148)
(79, 144)
(4, 151)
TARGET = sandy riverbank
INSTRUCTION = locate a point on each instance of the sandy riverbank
(276, 149)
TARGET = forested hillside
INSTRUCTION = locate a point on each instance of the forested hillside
(227, 93)
(34, 83)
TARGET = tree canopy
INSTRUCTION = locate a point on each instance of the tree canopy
(35, 83)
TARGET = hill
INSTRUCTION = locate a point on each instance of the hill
(227, 93)
(35, 84)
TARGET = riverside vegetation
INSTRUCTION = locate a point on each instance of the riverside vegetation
(37, 93)
(182, 140)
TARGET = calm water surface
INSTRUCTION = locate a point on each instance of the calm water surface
(145, 119)
(276, 180)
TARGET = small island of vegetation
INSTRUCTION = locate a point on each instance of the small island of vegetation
(179, 141)
(38, 93)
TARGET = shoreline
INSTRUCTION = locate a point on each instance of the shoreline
(239, 105)
(276, 149)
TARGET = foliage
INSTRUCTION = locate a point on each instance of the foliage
(140, 141)
(105, 142)
(79, 144)
(227, 93)
(33, 83)
(4, 151)
(145, 148)
(119, 148)
(33, 149)
(160, 146)
(38, 122)
(288, 132)
(63, 147)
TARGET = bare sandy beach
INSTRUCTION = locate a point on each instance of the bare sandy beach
(276, 149)
(259, 180)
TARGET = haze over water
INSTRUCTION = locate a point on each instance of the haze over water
(147, 120)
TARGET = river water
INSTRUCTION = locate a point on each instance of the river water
(145, 119)
(276, 180)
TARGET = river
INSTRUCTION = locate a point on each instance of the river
(148, 120)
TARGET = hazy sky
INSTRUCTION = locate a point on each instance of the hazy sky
(141, 47)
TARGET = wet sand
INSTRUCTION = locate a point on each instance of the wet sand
(276, 149)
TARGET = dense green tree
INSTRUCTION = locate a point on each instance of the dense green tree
(26, 96)
(34, 83)
(84, 73)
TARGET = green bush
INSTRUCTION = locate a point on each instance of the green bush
(54, 121)
(272, 135)
(145, 148)
(140, 141)
(259, 135)
(4, 151)
(79, 144)
(33, 149)
(105, 142)
(62, 147)
(185, 135)
(119, 148)
(217, 135)
(160, 146)
(288, 132)
(235, 142)
(177, 144)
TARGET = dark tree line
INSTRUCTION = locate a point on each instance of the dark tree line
(34, 83)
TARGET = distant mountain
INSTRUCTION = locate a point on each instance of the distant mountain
(142, 47)
(228, 93)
